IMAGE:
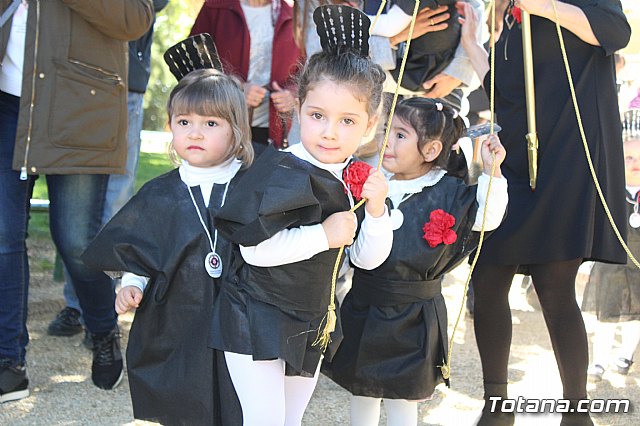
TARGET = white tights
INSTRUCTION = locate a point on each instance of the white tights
(605, 335)
(266, 395)
(365, 411)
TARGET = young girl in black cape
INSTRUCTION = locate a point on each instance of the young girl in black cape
(289, 219)
(166, 240)
(613, 291)
(394, 318)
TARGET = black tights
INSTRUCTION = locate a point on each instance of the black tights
(555, 285)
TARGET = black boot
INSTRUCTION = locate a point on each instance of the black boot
(492, 414)
(573, 417)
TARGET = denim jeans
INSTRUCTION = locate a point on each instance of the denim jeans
(75, 216)
(120, 187)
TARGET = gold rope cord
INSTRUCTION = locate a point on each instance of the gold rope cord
(329, 320)
(584, 138)
(446, 368)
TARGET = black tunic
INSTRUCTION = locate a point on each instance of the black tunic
(394, 319)
(174, 377)
(275, 312)
(432, 52)
(563, 218)
(613, 291)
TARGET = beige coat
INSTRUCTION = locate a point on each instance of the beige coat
(73, 108)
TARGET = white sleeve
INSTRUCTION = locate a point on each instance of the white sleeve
(129, 279)
(287, 246)
(460, 66)
(391, 23)
(498, 199)
(374, 241)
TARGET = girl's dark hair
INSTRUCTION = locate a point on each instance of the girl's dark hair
(209, 92)
(432, 120)
(346, 67)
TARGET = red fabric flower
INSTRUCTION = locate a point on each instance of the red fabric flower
(438, 229)
(355, 176)
(517, 14)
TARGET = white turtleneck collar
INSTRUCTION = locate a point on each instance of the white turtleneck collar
(399, 188)
(299, 151)
(206, 177)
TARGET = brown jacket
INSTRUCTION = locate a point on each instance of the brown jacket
(73, 108)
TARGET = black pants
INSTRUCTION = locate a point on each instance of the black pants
(555, 285)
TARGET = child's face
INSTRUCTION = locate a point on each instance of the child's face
(402, 156)
(333, 122)
(201, 141)
(632, 162)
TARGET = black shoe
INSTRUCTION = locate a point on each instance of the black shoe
(66, 323)
(106, 370)
(575, 418)
(492, 414)
(623, 365)
(14, 383)
(497, 417)
(87, 341)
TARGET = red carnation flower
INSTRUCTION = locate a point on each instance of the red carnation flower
(438, 229)
(516, 12)
(354, 176)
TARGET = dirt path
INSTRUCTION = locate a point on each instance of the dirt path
(62, 392)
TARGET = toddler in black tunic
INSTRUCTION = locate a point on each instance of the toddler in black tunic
(163, 239)
(394, 318)
(613, 291)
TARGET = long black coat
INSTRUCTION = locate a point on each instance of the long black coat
(563, 218)
(174, 377)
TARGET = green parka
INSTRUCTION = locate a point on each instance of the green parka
(73, 107)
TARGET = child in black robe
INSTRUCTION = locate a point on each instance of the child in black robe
(394, 318)
(289, 220)
(165, 239)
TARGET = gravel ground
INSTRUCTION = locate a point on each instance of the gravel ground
(62, 392)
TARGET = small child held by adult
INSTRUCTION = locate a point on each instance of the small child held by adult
(613, 291)
(430, 53)
(289, 219)
(165, 238)
(394, 318)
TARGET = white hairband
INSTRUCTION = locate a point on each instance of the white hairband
(438, 106)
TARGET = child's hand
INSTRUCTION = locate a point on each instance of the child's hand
(492, 145)
(128, 298)
(340, 229)
(375, 191)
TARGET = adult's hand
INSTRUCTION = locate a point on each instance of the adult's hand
(282, 99)
(440, 86)
(427, 21)
(254, 94)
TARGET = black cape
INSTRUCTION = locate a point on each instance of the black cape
(174, 377)
(276, 311)
(613, 291)
(394, 318)
(563, 218)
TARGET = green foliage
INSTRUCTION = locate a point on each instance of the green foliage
(172, 25)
